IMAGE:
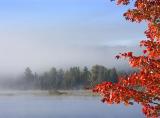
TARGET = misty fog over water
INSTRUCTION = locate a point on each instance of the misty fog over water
(42, 59)
(53, 51)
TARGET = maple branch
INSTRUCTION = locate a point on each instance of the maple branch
(154, 103)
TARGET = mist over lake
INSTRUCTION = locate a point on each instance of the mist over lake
(54, 52)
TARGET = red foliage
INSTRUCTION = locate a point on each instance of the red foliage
(143, 86)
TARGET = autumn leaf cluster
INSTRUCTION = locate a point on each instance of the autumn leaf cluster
(142, 86)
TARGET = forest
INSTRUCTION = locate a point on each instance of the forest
(66, 79)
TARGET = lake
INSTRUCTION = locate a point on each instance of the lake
(44, 106)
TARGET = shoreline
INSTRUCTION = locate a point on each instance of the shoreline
(47, 92)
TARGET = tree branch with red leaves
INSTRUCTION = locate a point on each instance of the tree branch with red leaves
(143, 86)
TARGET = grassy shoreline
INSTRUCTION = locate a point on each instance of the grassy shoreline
(47, 92)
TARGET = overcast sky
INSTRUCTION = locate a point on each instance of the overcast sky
(62, 33)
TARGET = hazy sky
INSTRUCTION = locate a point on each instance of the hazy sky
(45, 33)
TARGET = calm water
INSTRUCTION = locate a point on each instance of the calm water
(29, 106)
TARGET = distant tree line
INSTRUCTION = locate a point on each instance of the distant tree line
(72, 78)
